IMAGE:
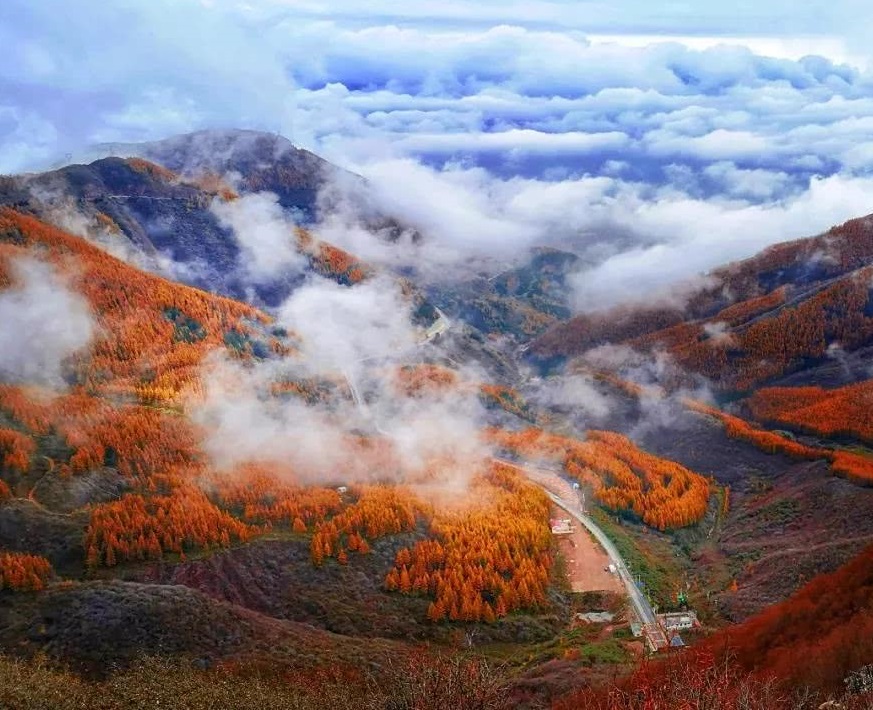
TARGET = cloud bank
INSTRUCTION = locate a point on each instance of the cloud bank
(356, 338)
(42, 323)
(657, 143)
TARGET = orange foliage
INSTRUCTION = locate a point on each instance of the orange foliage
(5, 493)
(140, 351)
(660, 492)
(774, 345)
(506, 398)
(855, 467)
(631, 389)
(486, 562)
(258, 497)
(138, 528)
(379, 511)
(746, 310)
(415, 380)
(214, 184)
(842, 411)
(139, 441)
(21, 572)
(587, 331)
(153, 170)
(107, 223)
(331, 261)
(16, 450)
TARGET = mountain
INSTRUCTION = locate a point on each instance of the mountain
(784, 310)
(315, 474)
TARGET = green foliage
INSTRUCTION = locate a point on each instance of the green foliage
(651, 558)
(241, 342)
(186, 330)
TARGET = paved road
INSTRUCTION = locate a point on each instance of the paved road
(563, 495)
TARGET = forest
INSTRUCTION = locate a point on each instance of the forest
(661, 493)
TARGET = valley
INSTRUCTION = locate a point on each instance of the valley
(265, 456)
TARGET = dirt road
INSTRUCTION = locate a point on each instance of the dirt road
(587, 561)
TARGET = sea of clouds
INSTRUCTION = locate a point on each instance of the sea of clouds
(656, 144)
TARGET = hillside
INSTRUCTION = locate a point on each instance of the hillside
(324, 468)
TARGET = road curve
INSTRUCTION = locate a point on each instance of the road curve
(549, 481)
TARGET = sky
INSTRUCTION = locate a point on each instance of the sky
(753, 117)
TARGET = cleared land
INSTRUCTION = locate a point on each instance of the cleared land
(587, 562)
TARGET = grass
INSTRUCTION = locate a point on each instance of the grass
(587, 644)
(648, 555)
(413, 681)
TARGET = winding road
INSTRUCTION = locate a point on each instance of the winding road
(563, 495)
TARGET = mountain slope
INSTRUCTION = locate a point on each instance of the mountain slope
(757, 320)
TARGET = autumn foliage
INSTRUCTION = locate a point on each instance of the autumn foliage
(425, 379)
(257, 496)
(330, 261)
(141, 442)
(15, 450)
(483, 563)
(378, 511)
(141, 352)
(844, 411)
(505, 398)
(828, 623)
(21, 572)
(661, 493)
(140, 528)
(855, 467)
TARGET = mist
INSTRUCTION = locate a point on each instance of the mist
(43, 323)
(264, 233)
(355, 339)
(635, 242)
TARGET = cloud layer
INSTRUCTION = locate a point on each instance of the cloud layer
(42, 323)
(659, 143)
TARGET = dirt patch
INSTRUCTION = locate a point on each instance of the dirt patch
(587, 562)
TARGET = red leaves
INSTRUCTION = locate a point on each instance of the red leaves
(141, 528)
(23, 572)
(15, 450)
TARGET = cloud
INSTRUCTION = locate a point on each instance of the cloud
(342, 328)
(692, 236)
(357, 338)
(636, 241)
(264, 233)
(516, 88)
(575, 392)
(43, 322)
(654, 146)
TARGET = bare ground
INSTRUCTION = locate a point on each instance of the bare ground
(587, 562)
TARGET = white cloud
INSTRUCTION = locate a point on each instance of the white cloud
(264, 233)
(42, 323)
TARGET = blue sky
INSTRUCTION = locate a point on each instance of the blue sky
(515, 84)
(640, 117)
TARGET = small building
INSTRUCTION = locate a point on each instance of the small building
(678, 621)
(561, 527)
